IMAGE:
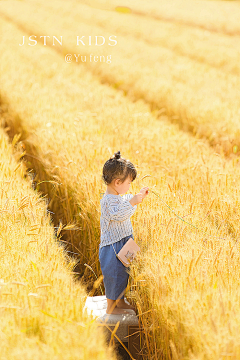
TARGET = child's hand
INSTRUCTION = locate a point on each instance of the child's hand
(138, 198)
(144, 191)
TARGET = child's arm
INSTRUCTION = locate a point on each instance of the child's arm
(119, 211)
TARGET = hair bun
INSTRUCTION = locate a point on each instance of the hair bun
(117, 155)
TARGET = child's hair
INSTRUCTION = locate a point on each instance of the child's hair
(118, 168)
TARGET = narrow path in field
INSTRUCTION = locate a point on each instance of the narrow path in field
(42, 178)
(41, 302)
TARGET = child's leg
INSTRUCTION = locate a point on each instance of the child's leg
(115, 278)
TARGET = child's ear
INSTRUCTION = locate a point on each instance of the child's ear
(117, 182)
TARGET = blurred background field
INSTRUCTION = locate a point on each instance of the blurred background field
(169, 100)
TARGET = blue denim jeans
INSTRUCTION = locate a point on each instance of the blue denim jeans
(115, 274)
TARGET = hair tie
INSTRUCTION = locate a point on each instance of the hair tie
(117, 155)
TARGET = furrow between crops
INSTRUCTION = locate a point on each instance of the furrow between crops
(41, 304)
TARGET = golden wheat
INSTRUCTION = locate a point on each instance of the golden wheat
(206, 104)
(185, 282)
(41, 305)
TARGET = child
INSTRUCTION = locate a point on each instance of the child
(116, 228)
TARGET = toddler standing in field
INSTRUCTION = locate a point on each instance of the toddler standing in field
(116, 228)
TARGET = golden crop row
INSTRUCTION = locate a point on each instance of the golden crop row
(41, 305)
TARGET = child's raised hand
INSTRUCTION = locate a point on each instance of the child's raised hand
(138, 198)
(144, 191)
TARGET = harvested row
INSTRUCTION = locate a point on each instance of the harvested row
(202, 99)
(73, 123)
(41, 305)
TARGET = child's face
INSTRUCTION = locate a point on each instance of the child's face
(122, 188)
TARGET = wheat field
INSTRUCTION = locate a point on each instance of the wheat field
(169, 101)
(41, 304)
(162, 77)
